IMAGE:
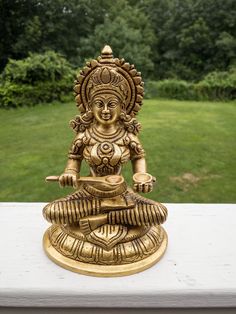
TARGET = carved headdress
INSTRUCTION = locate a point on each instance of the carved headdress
(108, 74)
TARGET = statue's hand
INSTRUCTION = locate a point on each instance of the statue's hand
(70, 178)
(143, 182)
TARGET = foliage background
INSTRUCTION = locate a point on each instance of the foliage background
(183, 39)
(38, 78)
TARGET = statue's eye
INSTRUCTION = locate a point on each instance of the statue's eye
(112, 104)
(98, 103)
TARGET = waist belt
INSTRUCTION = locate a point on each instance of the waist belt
(102, 193)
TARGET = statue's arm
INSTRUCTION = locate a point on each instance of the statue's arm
(139, 165)
(70, 175)
(142, 183)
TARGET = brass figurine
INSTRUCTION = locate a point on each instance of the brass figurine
(106, 228)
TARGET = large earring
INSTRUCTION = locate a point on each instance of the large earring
(82, 121)
(130, 124)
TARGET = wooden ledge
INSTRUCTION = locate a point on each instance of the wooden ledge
(197, 271)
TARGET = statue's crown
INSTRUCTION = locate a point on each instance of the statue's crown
(107, 79)
(109, 75)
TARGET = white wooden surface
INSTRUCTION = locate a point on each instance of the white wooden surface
(198, 269)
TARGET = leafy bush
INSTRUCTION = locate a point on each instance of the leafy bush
(174, 89)
(215, 86)
(151, 89)
(36, 79)
(177, 89)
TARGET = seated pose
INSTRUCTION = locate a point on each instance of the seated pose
(109, 94)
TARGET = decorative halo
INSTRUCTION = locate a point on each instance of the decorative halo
(133, 78)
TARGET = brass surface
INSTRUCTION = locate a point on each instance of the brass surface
(105, 228)
(103, 270)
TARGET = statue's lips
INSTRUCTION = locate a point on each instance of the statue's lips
(106, 116)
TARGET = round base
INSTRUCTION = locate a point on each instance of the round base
(103, 270)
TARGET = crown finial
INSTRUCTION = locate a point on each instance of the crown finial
(106, 52)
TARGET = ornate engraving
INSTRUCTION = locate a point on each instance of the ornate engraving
(104, 222)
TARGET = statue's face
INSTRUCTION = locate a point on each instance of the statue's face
(106, 108)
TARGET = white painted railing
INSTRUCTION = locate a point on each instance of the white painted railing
(196, 275)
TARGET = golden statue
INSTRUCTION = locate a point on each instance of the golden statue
(105, 228)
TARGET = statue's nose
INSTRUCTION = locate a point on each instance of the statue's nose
(105, 109)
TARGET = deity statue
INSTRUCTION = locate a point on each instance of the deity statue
(105, 228)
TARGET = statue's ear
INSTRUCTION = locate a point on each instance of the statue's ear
(89, 105)
(123, 107)
(122, 114)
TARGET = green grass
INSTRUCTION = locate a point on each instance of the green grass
(190, 148)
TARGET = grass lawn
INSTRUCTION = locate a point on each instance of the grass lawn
(190, 148)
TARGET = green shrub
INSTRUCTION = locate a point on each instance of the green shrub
(173, 89)
(36, 79)
(215, 86)
(151, 89)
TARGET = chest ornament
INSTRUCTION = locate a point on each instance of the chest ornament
(106, 153)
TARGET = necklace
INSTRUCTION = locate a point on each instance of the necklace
(100, 137)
